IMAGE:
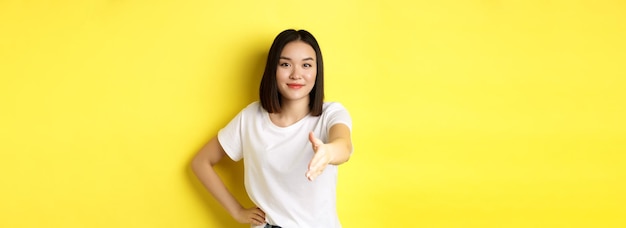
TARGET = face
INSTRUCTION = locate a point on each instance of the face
(296, 71)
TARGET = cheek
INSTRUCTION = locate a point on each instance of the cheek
(312, 76)
(282, 73)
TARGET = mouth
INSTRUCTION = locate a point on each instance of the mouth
(294, 86)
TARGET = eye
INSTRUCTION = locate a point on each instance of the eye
(284, 64)
(307, 65)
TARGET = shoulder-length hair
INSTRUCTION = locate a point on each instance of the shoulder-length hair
(271, 99)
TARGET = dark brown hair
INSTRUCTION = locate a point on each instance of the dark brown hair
(271, 99)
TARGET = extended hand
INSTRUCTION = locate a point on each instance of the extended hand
(253, 216)
(320, 159)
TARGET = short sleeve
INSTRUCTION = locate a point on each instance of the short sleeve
(335, 113)
(229, 138)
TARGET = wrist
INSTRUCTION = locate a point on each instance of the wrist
(331, 153)
(235, 211)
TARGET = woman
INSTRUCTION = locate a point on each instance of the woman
(291, 143)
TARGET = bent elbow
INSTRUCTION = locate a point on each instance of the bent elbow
(350, 149)
(197, 164)
(347, 153)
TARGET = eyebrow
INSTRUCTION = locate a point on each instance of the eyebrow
(305, 59)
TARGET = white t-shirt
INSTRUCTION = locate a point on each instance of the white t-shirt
(275, 163)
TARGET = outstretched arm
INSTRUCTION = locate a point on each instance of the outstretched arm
(202, 166)
(335, 152)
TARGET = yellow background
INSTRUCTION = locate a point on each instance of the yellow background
(479, 113)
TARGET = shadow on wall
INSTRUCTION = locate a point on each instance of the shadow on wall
(231, 172)
(247, 66)
(258, 60)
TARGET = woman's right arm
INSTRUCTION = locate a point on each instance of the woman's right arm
(202, 165)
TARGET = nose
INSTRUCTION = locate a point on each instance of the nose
(296, 74)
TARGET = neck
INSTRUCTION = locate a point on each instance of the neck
(291, 112)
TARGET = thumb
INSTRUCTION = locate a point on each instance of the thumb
(315, 141)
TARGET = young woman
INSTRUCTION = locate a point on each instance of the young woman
(291, 143)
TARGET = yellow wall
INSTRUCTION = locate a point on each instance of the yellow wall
(466, 113)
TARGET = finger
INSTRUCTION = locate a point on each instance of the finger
(256, 223)
(318, 169)
(257, 220)
(257, 216)
(314, 161)
(310, 176)
(260, 215)
(318, 165)
(260, 212)
(314, 173)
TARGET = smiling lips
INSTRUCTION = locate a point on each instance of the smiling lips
(294, 86)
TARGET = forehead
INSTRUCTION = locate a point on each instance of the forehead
(298, 49)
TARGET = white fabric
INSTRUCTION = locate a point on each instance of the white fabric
(276, 160)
